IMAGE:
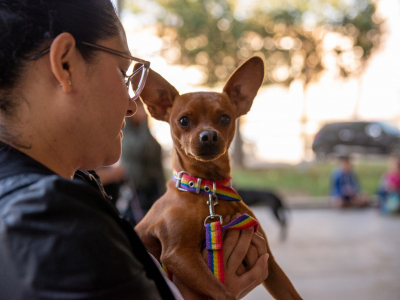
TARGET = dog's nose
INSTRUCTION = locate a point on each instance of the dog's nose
(209, 137)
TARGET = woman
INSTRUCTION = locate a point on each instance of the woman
(63, 100)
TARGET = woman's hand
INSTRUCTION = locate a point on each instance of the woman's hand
(238, 246)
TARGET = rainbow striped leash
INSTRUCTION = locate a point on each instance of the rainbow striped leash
(166, 270)
(221, 188)
(214, 242)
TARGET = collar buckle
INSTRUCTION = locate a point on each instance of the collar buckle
(179, 180)
(221, 189)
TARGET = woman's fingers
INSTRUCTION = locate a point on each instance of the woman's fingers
(253, 253)
(230, 241)
(239, 252)
(241, 270)
(258, 247)
(226, 220)
(245, 245)
(251, 256)
(237, 248)
(259, 242)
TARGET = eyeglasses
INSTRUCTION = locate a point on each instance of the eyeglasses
(135, 77)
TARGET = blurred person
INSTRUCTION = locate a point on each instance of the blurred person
(142, 159)
(345, 189)
(64, 96)
(389, 187)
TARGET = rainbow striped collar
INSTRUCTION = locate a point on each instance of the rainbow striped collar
(222, 188)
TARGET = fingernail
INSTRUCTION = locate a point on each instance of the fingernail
(265, 258)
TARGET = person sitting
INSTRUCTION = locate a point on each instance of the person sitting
(345, 189)
(389, 188)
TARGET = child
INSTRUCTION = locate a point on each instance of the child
(345, 189)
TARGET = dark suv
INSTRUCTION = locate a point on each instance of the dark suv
(361, 137)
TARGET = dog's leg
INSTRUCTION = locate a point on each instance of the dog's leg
(277, 283)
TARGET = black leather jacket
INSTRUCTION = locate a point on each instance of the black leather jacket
(63, 239)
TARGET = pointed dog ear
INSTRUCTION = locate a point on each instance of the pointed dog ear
(158, 94)
(244, 83)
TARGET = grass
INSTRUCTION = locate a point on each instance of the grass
(311, 180)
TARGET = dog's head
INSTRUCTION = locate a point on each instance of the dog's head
(203, 123)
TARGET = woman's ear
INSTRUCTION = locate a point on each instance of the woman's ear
(62, 52)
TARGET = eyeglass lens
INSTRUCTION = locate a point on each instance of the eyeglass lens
(137, 78)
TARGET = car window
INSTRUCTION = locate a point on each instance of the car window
(333, 127)
(358, 126)
(389, 129)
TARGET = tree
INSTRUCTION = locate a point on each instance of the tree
(298, 39)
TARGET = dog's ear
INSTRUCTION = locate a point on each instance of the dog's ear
(244, 83)
(158, 94)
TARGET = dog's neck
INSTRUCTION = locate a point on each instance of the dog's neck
(217, 169)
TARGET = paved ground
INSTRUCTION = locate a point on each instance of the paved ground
(337, 254)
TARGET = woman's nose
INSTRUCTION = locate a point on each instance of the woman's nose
(132, 108)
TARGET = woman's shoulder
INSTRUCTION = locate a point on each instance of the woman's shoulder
(51, 200)
(56, 202)
(63, 235)
(44, 189)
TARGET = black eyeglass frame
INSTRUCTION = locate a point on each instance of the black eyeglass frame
(144, 64)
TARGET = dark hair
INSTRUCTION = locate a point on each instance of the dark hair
(344, 157)
(27, 27)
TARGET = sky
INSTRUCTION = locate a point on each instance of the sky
(272, 129)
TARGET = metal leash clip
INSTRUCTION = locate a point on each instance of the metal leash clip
(213, 200)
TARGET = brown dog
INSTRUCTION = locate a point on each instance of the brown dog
(202, 129)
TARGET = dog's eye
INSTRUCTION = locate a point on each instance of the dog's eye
(225, 119)
(184, 122)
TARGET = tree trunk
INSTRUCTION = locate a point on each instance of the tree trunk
(356, 115)
(303, 124)
(119, 6)
(238, 154)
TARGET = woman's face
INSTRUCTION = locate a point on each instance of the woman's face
(106, 104)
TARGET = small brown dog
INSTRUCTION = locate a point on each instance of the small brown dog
(202, 129)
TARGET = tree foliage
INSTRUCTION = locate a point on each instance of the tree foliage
(297, 38)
